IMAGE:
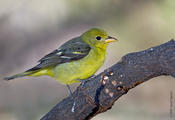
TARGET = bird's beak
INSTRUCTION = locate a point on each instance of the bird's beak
(110, 39)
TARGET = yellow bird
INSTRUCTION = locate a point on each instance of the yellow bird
(76, 60)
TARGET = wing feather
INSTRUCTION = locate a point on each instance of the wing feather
(74, 49)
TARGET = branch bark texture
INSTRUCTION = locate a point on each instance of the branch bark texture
(99, 94)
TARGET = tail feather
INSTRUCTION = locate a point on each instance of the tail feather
(18, 75)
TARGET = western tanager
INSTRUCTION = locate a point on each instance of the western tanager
(75, 60)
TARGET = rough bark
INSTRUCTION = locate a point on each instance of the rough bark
(99, 94)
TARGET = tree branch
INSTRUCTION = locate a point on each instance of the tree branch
(99, 94)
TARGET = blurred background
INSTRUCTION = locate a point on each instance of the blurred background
(29, 29)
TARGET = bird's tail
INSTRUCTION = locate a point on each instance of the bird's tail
(19, 75)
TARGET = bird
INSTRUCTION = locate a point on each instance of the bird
(74, 61)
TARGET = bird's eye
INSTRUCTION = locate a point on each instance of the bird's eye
(98, 38)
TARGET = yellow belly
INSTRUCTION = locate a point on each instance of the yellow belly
(68, 73)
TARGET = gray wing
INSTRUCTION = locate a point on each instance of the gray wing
(74, 49)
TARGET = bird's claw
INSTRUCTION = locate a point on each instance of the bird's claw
(85, 80)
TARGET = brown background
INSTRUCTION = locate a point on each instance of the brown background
(31, 29)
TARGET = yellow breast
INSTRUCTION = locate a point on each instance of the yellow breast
(68, 73)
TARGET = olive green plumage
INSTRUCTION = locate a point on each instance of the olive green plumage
(77, 59)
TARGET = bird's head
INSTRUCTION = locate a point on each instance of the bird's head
(96, 37)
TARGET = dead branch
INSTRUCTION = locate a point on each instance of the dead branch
(99, 94)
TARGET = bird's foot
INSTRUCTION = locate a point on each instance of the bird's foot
(85, 80)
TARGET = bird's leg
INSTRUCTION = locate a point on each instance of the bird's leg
(85, 80)
(69, 89)
(70, 92)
